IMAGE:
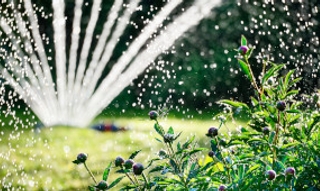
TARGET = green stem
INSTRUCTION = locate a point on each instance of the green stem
(127, 174)
(276, 140)
(253, 81)
(263, 72)
(146, 180)
(137, 181)
(223, 160)
(90, 173)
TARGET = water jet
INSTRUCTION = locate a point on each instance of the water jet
(66, 84)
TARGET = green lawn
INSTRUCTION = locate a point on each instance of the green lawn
(43, 161)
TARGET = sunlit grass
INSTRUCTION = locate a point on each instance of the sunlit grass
(43, 161)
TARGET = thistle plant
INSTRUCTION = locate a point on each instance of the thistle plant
(278, 149)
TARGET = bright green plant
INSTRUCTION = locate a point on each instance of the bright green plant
(279, 149)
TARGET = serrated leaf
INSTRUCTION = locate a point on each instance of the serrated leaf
(115, 182)
(106, 172)
(134, 154)
(245, 68)
(243, 41)
(233, 103)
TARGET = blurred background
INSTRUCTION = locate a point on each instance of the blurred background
(201, 67)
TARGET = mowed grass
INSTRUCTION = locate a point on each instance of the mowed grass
(43, 160)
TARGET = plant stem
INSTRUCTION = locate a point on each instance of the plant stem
(276, 140)
(137, 180)
(226, 167)
(89, 171)
(253, 81)
(146, 180)
(130, 178)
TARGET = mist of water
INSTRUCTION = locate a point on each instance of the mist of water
(78, 91)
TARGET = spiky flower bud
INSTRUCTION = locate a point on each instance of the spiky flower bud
(211, 154)
(82, 157)
(153, 115)
(128, 164)
(118, 161)
(243, 50)
(271, 174)
(222, 188)
(281, 105)
(290, 171)
(266, 130)
(102, 185)
(137, 168)
(168, 138)
(212, 132)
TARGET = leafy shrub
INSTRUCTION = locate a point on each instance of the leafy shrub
(277, 150)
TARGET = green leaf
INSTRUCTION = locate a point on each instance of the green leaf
(290, 93)
(106, 172)
(290, 145)
(174, 165)
(271, 72)
(115, 182)
(195, 151)
(214, 147)
(271, 137)
(236, 142)
(157, 169)
(293, 111)
(177, 136)
(253, 168)
(294, 81)
(170, 131)
(188, 142)
(243, 41)
(233, 103)
(159, 129)
(249, 53)
(287, 78)
(134, 154)
(77, 162)
(257, 140)
(91, 188)
(245, 68)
